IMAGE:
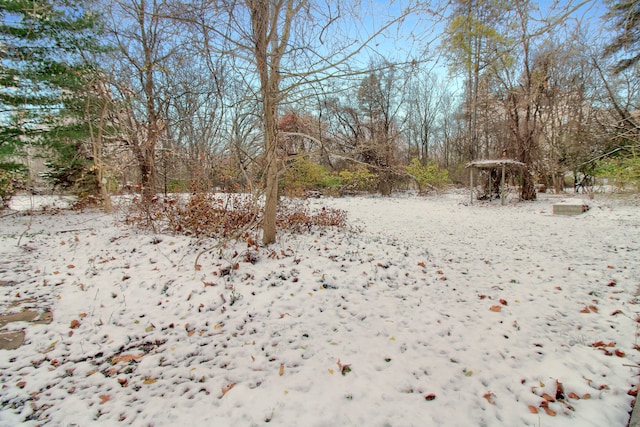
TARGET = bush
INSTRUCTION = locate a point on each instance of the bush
(302, 175)
(623, 171)
(427, 175)
(358, 179)
(11, 181)
(226, 216)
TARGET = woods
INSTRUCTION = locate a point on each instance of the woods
(288, 97)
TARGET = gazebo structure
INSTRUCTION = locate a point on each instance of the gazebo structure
(500, 164)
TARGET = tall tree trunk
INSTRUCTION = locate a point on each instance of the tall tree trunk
(271, 38)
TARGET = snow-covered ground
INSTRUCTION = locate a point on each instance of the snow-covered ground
(428, 312)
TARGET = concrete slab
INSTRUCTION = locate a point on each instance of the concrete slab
(570, 208)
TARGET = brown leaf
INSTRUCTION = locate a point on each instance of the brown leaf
(549, 411)
(548, 397)
(559, 391)
(503, 301)
(633, 391)
(533, 409)
(71, 266)
(619, 353)
(603, 344)
(126, 358)
(495, 308)
(489, 396)
(149, 380)
(613, 313)
(593, 308)
(611, 283)
(422, 264)
(586, 396)
(74, 324)
(429, 397)
(226, 389)
(281, 370)
(572, 395)
(104, 398)
(585, 310)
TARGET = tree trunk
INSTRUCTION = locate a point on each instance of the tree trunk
(148, 173)
(271, 196)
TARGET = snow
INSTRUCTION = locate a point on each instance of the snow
(426, 311)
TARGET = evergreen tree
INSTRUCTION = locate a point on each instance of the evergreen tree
(45, 70)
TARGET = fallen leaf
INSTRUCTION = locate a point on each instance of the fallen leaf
(533, 409)
(603, 344)
(126, 358)
(226, 389)
(495, 308)
(633, 391)
(613, 313)
(586, 396)
(585, 310)
(619, 353)
(123, 382)
(430, 397)
(421, 264)
(489, 396)
(281, 371)
(559, 391)
(344, 368)
(74, 324)
(104, 398)
(149, 380)
(611, 283)
(572, 395)
(71, 266)
(549, 411)
(547, 397)
(503, 301)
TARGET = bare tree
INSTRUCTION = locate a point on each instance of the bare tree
(281, 48)
(145, 40)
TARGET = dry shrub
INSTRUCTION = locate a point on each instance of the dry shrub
(297, 217)
(226, 216)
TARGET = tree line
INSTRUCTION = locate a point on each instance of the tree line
(280, 97)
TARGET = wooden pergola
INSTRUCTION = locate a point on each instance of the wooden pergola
(502, 164)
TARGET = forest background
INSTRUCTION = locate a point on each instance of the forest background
(299, 98)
